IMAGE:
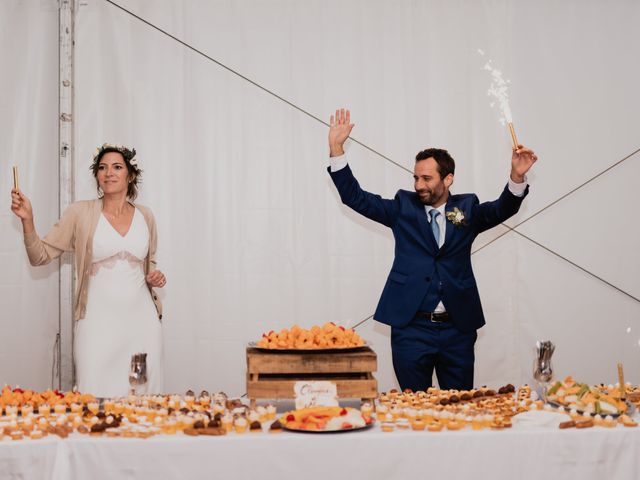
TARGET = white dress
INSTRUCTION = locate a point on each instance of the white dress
(121, 318)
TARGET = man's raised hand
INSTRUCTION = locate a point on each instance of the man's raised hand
(340, 127)
(522, 160)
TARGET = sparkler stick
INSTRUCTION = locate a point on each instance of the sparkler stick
(514, 139)
(16, 184)
(623, 390)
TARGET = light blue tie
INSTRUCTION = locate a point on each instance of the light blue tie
(434, 225)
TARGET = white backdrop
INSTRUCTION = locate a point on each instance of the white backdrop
(28, 139)
(252, 235)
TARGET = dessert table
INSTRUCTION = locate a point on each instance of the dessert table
(519, 452)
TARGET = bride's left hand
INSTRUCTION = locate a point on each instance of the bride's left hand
(156, 279)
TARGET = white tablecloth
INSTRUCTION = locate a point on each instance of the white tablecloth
(520, 453)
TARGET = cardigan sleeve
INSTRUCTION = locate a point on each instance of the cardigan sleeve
(59, 239)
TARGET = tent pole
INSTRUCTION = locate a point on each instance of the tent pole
(66, 374)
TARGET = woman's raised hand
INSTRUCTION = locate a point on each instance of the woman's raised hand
(21, 205)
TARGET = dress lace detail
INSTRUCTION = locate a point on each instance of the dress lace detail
(111, 261)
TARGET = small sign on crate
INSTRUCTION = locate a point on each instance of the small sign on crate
(315, 394)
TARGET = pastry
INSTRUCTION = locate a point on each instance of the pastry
(275, 427)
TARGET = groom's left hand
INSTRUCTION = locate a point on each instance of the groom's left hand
(522, 160)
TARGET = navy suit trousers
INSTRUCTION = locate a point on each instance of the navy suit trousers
(423, 346)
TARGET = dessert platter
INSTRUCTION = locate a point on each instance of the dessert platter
(435, 410)
(326, 420)
(318, 338)
(26, 414)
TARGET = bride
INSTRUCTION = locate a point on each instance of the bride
(114, 240)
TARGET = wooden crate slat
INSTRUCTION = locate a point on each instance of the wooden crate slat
(259, 361)
(274, 388)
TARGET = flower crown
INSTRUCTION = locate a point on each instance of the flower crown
(128, 154)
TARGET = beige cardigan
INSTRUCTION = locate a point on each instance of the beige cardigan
(74, 233)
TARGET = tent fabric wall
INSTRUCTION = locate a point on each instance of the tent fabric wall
(252, 234)
(28, 139)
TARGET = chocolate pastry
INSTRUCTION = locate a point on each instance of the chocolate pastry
(255, 426)
(98, 428)
(276, 426)
(198, 424)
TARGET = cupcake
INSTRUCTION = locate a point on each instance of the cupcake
(227, 421)
(271, 412)
(262, 413)
(254, 416)
(381, 411)
(218, 408)
(240, 424)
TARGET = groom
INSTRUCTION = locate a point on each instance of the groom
(430, 299)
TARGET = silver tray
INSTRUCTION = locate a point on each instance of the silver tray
(308, 350)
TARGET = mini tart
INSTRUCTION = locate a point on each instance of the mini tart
(403, 423)
(387, 426)
(36, 434)
(455, 425)
(418, 425)
(435, 427)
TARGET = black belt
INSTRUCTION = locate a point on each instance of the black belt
(441, 317)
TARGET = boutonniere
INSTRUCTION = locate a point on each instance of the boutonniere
(456, 217)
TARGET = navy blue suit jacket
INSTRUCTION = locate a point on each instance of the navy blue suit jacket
(417, 256)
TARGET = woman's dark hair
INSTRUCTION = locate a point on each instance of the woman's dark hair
(446, 164)
(134, 173)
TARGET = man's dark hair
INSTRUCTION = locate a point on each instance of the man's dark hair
(446, 164)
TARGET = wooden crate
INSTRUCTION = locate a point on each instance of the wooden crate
(272, 374)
